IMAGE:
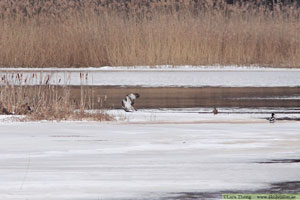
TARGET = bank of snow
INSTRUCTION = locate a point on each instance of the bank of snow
(191, 115)
(155, 68)
(204, 115)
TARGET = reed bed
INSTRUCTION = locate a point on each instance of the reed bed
(72, 33)
(44, 101)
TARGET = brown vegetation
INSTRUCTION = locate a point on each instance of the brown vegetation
(72, 33)
(46, 102)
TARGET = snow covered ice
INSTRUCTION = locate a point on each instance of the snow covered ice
(145, 159)
(164, 76)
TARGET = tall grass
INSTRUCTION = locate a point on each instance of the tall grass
(18, 96)
(69, 33)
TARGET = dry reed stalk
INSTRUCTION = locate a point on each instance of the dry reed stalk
(69, 33)
(44, 101)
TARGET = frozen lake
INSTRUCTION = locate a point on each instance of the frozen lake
(157, 154)
(144, 157)
(159, 77)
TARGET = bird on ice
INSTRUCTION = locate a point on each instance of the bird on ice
(272, 119)
(128, 101)
(215, 111)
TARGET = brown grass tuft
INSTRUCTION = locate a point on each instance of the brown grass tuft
(44, 101)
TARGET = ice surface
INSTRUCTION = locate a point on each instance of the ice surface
(138, 159)
(185, 76)
(204, 115)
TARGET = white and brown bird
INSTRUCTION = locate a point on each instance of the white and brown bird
(128, 101)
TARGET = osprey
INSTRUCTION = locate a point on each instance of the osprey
(128, 101)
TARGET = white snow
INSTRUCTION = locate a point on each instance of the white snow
(203, 115)
(296, 97)
(155, 68)
(138, 159)
(161, 76)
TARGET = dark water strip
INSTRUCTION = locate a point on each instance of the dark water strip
(275, 188)
(172, 97)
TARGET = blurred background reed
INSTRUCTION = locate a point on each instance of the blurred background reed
(78, 33)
